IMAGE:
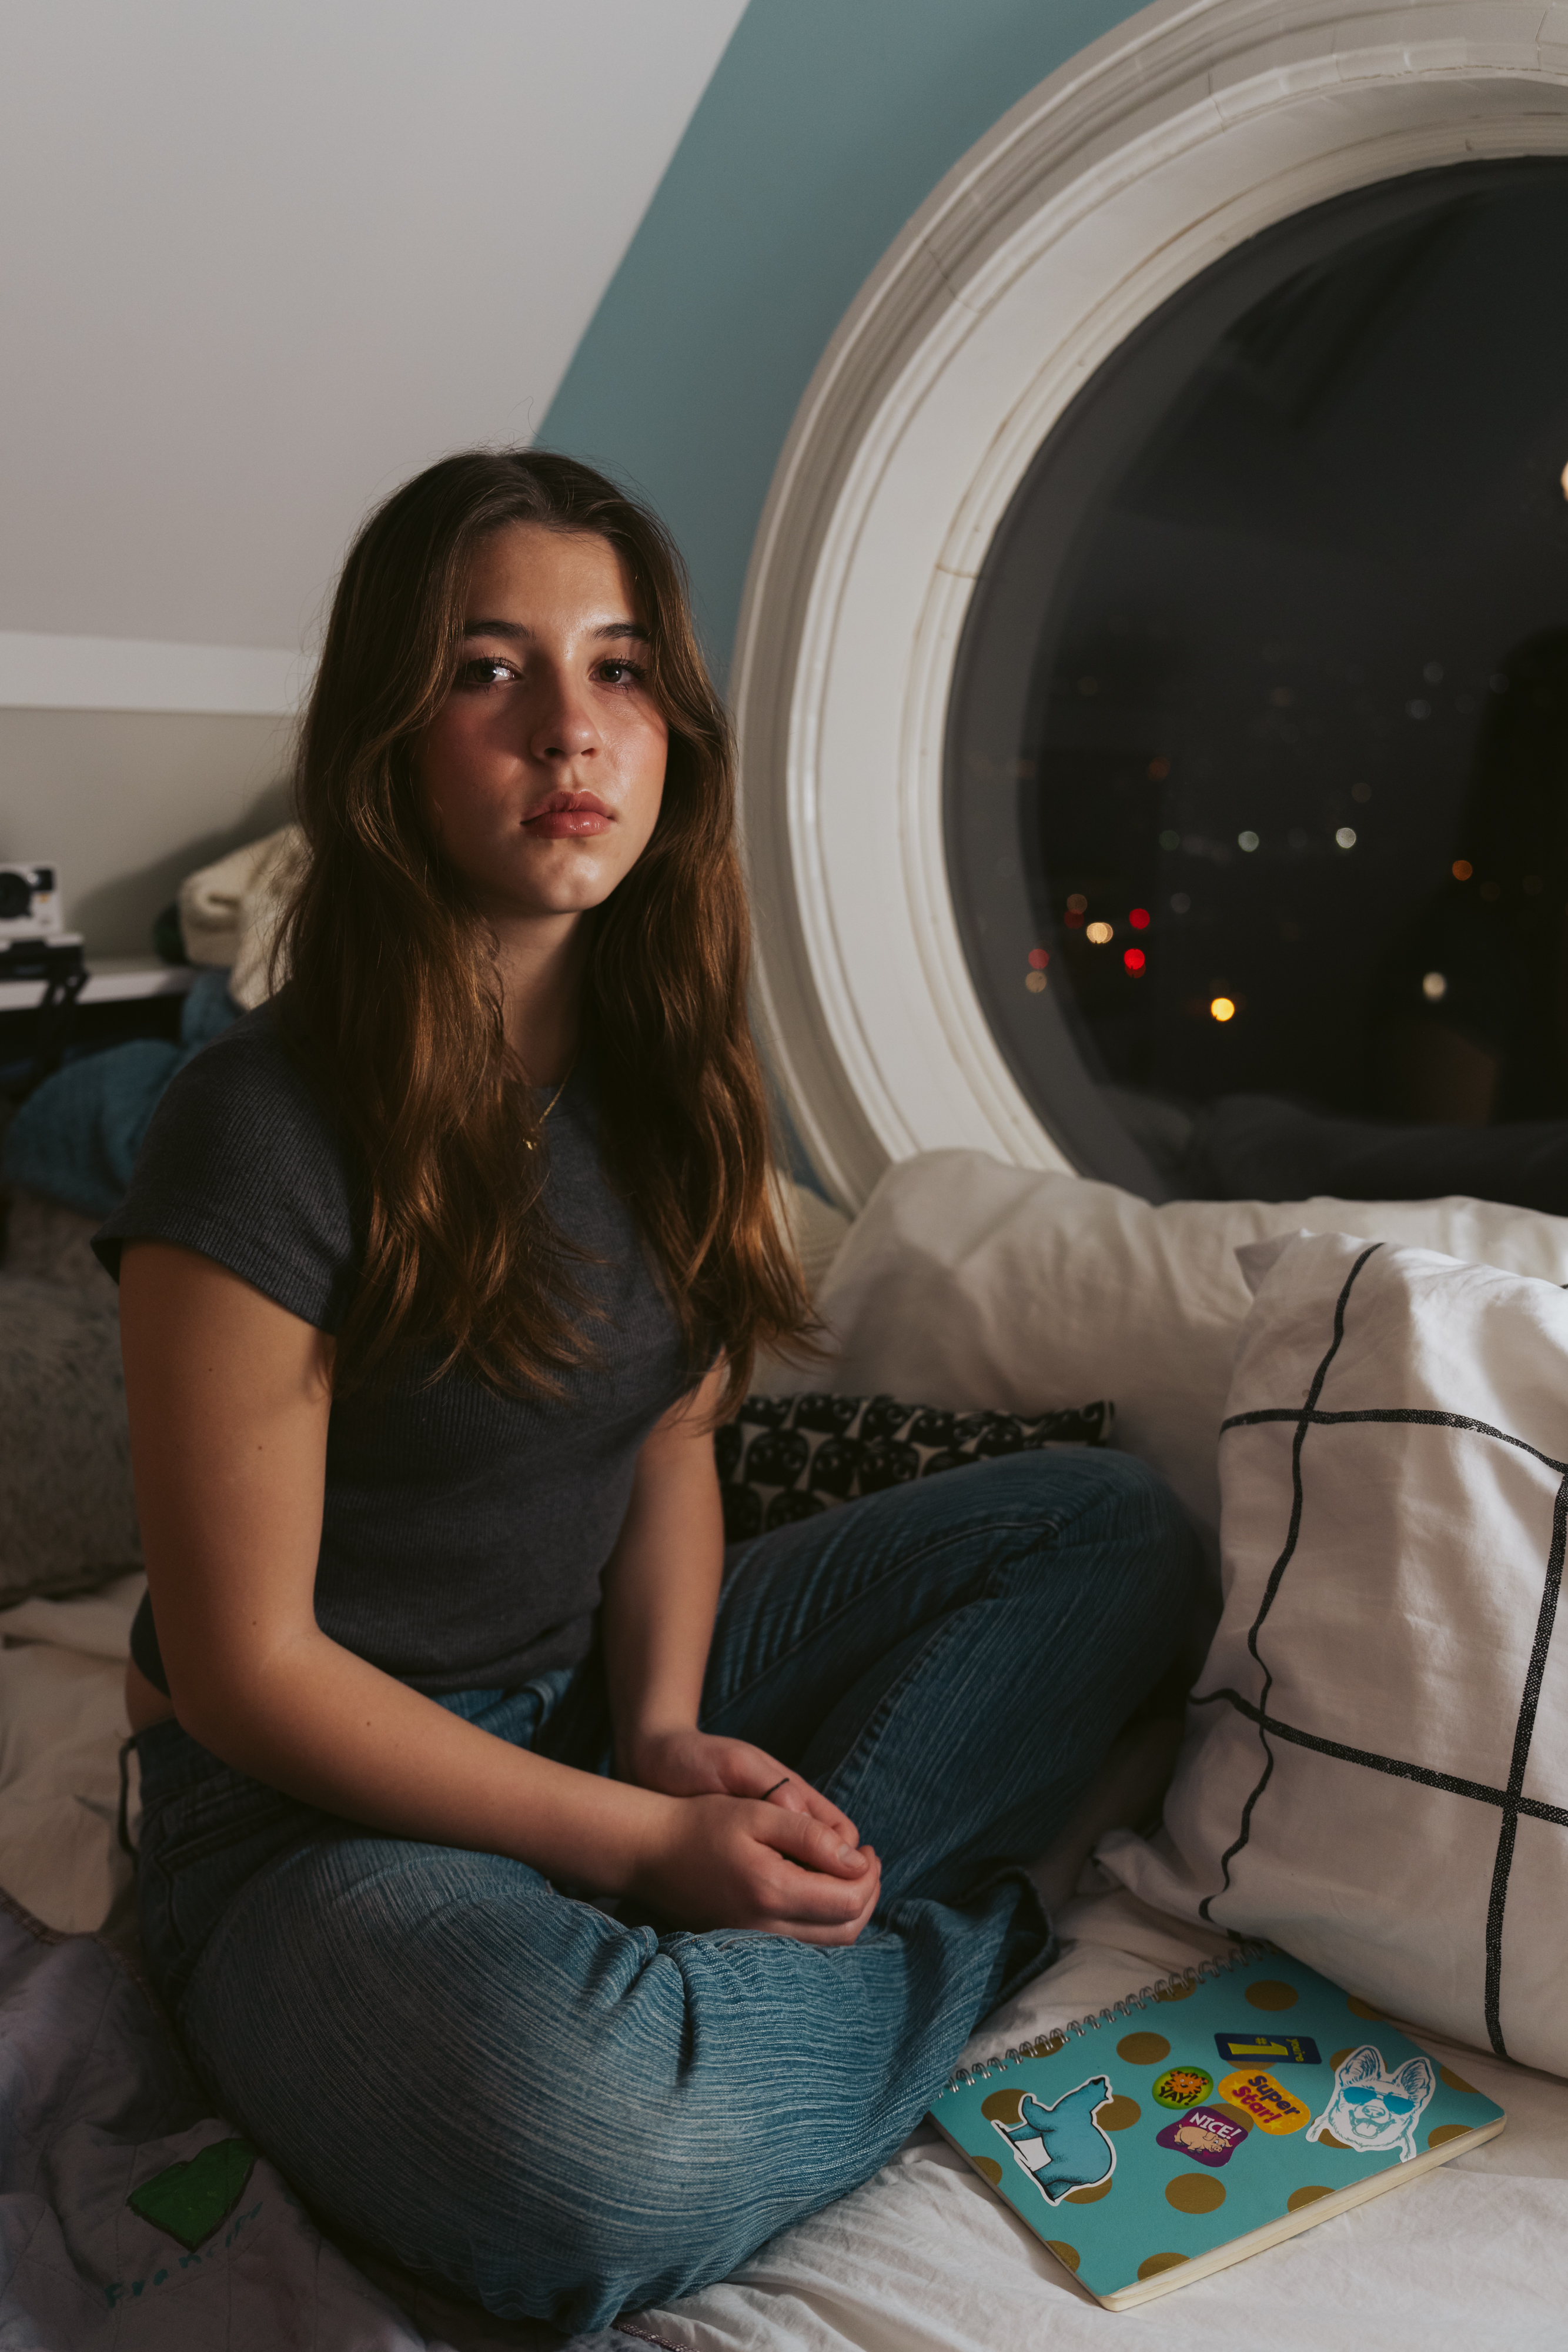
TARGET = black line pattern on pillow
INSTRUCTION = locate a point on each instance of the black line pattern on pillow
(787, 1458)
(1303, 1420)
(1510, 1799)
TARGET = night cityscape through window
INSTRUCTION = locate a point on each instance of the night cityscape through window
(1257, 765)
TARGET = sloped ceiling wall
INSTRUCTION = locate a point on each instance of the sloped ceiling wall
(263, 259)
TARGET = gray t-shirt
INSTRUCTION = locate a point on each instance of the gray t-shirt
(464, 1532)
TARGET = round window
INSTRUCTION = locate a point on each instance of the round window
(1257, 772)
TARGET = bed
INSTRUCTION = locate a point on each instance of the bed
(131, 2214)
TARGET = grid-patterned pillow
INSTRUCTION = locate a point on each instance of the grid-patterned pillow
(784, 1458)
(1375, 1772)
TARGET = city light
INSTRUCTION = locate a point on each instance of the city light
(1100, 935)
(1034, 981)
(1221, 1008)
(1247, 840)
(1462, 869)
(1038, 958)
(1139, 919)
(1345, 836)
(1134, 958)
(1434, 985)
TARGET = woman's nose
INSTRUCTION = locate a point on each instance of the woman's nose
(563, 725)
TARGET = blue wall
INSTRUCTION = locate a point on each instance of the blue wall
(826, 125)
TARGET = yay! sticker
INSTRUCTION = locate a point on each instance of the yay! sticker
(1271, 2107)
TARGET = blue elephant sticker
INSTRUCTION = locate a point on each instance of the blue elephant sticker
(1061, 2148)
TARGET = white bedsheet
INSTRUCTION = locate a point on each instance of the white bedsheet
(62, 1720)
(923, 2258)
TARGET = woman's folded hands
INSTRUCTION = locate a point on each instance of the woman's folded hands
(749, 1844)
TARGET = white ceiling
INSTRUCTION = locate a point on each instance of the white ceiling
(261, 259)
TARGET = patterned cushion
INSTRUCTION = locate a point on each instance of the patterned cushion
(788, 1457)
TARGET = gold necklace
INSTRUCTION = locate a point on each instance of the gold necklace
(552, 1102)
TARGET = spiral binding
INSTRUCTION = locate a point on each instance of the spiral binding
(1046, 2045)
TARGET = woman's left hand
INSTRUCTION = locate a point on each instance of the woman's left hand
(701, 1764)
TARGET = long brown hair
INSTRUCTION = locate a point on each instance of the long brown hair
(395, 995)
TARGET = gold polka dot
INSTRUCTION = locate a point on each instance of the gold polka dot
(1272, 1994)
(1359, 2008)
(1088, 2196)
(1456, 2082)
(1003, 2107)
(1337, 2061)
(1194, 2192)
(1175, 1992)
(1153, 2264)
(1063, 2252)
(1232, 2115)
(1327, 2139)
(1143, 2049)
(1440, 2132)
(1116, 2115)
(988, 2170)
(1300, 2196)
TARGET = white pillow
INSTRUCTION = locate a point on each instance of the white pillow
(1376, 1770)
(967, 1283)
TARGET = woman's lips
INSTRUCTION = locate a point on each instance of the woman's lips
(569, 816)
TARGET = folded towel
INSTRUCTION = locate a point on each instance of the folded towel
(229, 913)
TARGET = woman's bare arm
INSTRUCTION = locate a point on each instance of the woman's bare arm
(661, 1592)
(229, 1396)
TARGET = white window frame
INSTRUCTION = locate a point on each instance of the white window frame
(1191, 127)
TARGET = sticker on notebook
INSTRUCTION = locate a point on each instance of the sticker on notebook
(1182, 2086)
(1271, 2107)
(1209, 2134)
(1061, 2148)
(1371, 2111)
(1268, 2048)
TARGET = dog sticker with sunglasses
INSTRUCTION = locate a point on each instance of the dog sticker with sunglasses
(1370, 2110)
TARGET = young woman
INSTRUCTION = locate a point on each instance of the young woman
(435, 1274)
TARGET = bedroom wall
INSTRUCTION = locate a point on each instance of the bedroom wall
(129, 802)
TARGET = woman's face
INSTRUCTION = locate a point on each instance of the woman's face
(544, 769)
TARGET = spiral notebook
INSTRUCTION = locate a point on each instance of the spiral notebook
(1205, 2117)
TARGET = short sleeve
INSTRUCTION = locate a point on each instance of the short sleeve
(242, 1163)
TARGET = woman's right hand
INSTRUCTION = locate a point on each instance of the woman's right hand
(736, 1861)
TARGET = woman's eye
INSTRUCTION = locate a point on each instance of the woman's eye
(621, 673)
(484, 669)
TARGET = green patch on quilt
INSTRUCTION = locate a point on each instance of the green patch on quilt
(190, 2200)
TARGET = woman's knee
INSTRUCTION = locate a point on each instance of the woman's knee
(506, 2095)
(1089, 1494)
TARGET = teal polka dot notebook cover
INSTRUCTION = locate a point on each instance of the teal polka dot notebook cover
(1207, 2118)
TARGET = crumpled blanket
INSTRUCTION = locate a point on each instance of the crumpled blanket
(132, 2218)
(76, 1137)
